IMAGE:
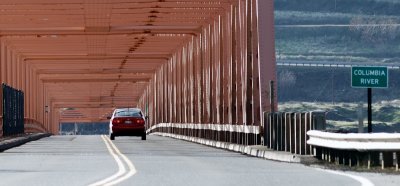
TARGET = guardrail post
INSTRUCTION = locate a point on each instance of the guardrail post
(373, 159)
(387, 159)
(303, 130)
(292, 133)
(266, 128)
(274, 130)
(318, 120)
(279, 131)
(297, 133)
(287, 132)
(397, 160)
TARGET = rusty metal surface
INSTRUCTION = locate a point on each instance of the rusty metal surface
(221, 75)
(183, 61)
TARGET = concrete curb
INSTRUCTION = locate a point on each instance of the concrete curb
(256, 151)
(11, 143)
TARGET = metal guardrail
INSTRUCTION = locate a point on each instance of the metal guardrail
(12, 110)
(287, 131)
(372, 149)
(230, 133)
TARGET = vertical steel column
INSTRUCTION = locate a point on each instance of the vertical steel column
(240, 37)
(46, 103)
(266, 51)
(9, 66)
(30, 93)
(35, 95)
(195, 98)
(224, 71)
(13, 60)
(2, 74)
(241, 84)
(3, 71)
(27, 90)
(209, 74)
(202, 78)
(198, 81)
(257, 113)
(18, 71)
(191, 75)
(164, 93)
(160, 95)
(216, 77)
(173, 89)
(170, 90)
(178, 84)
(154, 100)
(40, 107)
(151, 101)
(234, 74)
(228, 82)
(183, 85)
(222, 74)
(186, 79)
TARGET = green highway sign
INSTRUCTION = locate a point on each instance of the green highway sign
(369, 77)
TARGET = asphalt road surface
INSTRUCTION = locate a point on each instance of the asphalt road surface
(95, 160)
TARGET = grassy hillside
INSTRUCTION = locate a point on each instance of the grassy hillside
(370, 7)
(318, 84)
(302, 89)
(386, 114)
(359, 30)
(338, 31)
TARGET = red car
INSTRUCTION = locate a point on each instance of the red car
(127, 122)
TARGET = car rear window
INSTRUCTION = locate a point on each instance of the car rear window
(128, 113)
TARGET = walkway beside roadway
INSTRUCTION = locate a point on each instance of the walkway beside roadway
(14, 141)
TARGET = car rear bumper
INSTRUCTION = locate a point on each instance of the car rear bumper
(128, 130)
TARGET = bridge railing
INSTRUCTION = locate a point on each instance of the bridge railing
(229, 133)
(287, 131)
(281, 131)
(360, 149)
(12, 109)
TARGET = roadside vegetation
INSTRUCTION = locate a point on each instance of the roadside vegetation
(338, 31)
(386, 115)
(303, 89)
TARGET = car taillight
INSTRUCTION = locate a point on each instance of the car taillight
(140, 121)
(116, 121)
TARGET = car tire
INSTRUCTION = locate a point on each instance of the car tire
(112, 136)
(144, 136)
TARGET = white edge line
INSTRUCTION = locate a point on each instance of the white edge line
(121, 167)
(362, 180)
(132, 169)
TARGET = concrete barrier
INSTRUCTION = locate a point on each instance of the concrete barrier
(256, 150)
(17, 141)
(236, 134)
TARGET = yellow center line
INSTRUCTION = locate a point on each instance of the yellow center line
(122, 173)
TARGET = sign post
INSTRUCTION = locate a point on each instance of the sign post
(369, 77)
